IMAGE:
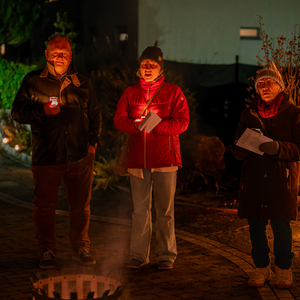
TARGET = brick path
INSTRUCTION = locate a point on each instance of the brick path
(204, 269)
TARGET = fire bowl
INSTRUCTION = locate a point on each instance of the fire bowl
(79, 286)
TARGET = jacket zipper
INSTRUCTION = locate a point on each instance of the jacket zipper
(60, 90)
(263, 205)
(287, 171)
(145, 133)
(145, 149)
(255, 114)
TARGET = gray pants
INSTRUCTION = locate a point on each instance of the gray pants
(164, 187)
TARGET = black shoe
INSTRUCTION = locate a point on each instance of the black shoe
(46, 260)
(135, 264)
(165, 265)
(83, 256)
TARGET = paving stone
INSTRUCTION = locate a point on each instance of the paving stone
(203, 270)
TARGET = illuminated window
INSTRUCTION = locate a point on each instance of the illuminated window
(123, 37)
(250, 33)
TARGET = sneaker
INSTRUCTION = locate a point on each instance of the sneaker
(83, 256)
(261, 276)
(46, 260)
(284, 278)
(165, 265)
(135, 264)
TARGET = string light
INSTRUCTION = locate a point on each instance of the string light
(17, 147)
(5, 141)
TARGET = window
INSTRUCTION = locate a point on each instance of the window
(123, 37)
(249, 33)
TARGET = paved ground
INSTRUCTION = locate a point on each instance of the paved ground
(204, 269)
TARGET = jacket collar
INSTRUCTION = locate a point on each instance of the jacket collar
(152, 85)
(72, 73)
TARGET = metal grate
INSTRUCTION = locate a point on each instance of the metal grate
(79, 286)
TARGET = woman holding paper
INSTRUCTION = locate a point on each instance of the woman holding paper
(270, 178)
(153, 113)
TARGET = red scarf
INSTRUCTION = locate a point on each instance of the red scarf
(269, 110)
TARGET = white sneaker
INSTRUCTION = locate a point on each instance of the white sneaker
(260, 277)
(284, 278)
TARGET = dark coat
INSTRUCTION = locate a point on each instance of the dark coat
(65, 137)
(269, 184)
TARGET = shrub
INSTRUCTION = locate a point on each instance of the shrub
(110, 81)
(18, 134)
(285, 53)
(11, 76)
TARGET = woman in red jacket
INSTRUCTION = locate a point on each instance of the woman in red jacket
(153, 157)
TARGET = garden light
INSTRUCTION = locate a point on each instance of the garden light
(5, 140)
(17, 147)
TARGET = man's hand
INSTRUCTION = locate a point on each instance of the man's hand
(271, 148)
(51, 110)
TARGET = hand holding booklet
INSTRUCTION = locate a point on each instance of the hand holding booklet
(150, 121)
(251, 140)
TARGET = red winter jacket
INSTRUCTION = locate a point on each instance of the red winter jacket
(160, 147)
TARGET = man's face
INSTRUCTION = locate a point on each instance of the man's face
(150, 70)
(268, 89)
(59, 54)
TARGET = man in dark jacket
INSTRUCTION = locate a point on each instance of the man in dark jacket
(61, 106)
(270, 178)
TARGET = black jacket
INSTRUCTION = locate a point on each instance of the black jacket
(269, 184)
(65, 137)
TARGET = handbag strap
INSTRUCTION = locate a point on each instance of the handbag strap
(145, 107)
(149, 101)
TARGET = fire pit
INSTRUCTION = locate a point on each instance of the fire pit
(79, 286)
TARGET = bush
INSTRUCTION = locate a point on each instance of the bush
(11, 76)
(110, 81)
(18, 134)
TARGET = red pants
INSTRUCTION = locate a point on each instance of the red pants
(78, 179)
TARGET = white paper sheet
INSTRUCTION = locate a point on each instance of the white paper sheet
(251, 140)
(150, 121)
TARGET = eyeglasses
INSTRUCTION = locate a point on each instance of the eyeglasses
(262, 84)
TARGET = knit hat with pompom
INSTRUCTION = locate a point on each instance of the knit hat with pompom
(269, 71)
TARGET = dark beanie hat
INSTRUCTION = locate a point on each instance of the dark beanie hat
(153, 53)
